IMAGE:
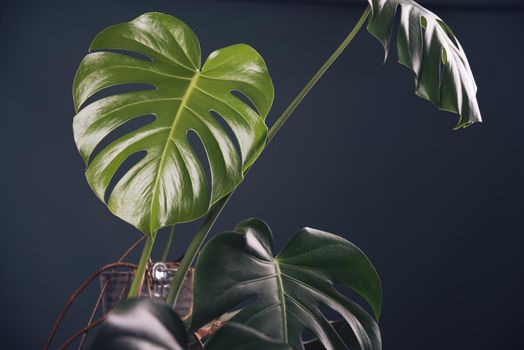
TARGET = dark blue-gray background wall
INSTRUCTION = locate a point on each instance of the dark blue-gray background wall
(438, 211)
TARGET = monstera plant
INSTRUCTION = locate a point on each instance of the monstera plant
(139, 148)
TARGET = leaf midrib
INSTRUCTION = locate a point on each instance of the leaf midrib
(282, 298)
(154, 199)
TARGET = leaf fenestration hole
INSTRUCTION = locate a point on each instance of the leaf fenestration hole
(423, 22)
(340, 325)
(116, 90)
(132, 54)
(444, 56)
(130, 162)
(357, 298)
(231, 135)
(200, 151)
(244, 98)
(328, 312)
(449, 33)
(308, 335)
(122, 130)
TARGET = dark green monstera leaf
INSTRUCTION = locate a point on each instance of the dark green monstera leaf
(144, 324)
(140, 324)
(429, 48)
(289, 289)
(168, 185)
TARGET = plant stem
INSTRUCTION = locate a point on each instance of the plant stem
(192, 250)
(167, 246)
(136, 285)
(214, 212)
(294, 104)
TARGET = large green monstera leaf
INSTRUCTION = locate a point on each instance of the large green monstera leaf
(429, 48)
(168, 185)
(289, 289)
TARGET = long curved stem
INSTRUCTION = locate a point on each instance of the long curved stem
(138, 280)
(294, 104)
(214, 212)
(192, 250)
(167, 246)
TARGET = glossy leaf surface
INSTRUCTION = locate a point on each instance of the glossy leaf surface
(168, 185)
(427, 46)
(140, 324)
(290, 289)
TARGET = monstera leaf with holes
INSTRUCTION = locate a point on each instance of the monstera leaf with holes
(289, 289)
(429, 48)
(143, 324)
(168, 185)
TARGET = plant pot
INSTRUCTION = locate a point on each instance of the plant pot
(115, 286)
